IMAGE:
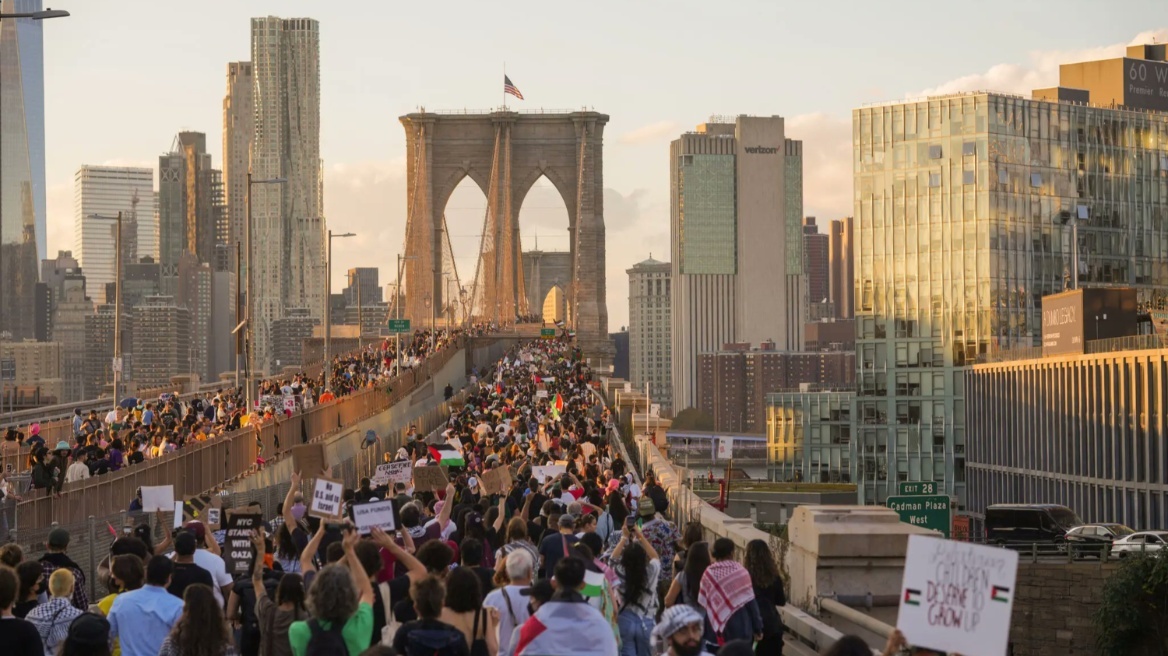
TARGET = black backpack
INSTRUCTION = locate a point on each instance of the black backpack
(435, 641)
(323, 642)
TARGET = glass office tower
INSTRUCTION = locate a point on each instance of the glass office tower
(965, 210)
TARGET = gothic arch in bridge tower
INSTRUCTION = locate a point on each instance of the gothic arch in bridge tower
(505, 153)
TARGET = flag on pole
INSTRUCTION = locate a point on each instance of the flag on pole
(559, 404)
(510, 88)
(447, 455)
(111, 530)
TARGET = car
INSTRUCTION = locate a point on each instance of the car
(1095, 539)
(1140, 542)
(1017, 525)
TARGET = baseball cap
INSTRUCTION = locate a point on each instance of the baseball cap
(196, 528)
(472, 482)
(89, 630)
(58, 538)
(646, 507)
(567, 520)
(540, 590)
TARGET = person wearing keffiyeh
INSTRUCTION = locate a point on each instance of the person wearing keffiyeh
(728, 597)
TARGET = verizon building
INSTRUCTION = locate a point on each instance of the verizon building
(736, 240)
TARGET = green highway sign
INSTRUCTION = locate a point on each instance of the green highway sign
(399, 325)
(917, 488)
(547, 333)
(931, 512)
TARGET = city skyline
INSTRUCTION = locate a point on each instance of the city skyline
(364, 168)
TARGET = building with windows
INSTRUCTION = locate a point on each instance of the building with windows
(809, 436)
(38, 369)
(162, 344)
(105, 191)
(190, 197)
(968, 208)
(736, 187)
(288, 225)
(22, 132)
(363, 287)
(842, 268)
(288, 335)
(238, 135)
(816, 254)
(649, 329)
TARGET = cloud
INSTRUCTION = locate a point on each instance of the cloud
(367, 198)
(827, 163)
(1039, 71)
(648, 133)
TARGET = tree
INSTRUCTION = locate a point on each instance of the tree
(1132, 619)
(692, 419)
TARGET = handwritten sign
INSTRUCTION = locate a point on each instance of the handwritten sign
(497, 480)
(957, 596)
(545, 473)
(157, 497)
(428, 479)
(377, 514)
(212, 518)
(326, 499)
(393, 472)
(237, 547)
(308, 459)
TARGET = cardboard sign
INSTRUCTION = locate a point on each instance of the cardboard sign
(429, 479)
(545, 473)
(196, 507)
(957, 596)
(326, 499)
(497, 480)
(389, 473)
(157, 497)
(377, 514)
(308, 459)
(237, 547)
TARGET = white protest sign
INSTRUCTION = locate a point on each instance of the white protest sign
(393, 472)
(377, 514)
(158, 497)
(547, 472)
(178, 514)
(541, 394)
(289, 404)
(957, 597)
(326, 498)
(725, 448)
(213, 517)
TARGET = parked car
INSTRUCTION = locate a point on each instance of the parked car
(1094, 539)
(1022, 524)
(1140, 542)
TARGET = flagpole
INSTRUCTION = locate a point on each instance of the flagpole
(504, 86)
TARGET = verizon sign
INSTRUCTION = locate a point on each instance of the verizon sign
(761, 150)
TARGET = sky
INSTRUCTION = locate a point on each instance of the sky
(122, 78)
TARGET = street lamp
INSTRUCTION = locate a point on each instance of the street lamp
(397, 304)
(328, 305)
(250, 333)
(117, 361)
(38, 15)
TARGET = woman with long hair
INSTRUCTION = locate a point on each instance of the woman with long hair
(684, 589)
(201, 631)
(463, 609)
(618, 511)
(275, 617)
(517, 538)
(691, 535)
(768, 590)
(639, 567)
(286, 552)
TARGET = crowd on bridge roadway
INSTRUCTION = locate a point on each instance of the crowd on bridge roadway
(139, 429)
(543, 542)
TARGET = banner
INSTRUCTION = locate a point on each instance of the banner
(157, 497)
(376, 514)
(545, 473)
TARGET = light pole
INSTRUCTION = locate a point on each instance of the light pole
(328, 305)
(427, 300)
(38, 15)
(249, 341)
(397, 304)
(117, 361)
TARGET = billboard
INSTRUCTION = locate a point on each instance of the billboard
(1062, 323)
(1145, 84)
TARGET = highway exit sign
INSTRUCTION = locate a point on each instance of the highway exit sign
(916, 488)
(399, 325)
(931, 512)
(547, 333)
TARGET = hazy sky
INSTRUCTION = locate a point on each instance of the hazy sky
(122, 77)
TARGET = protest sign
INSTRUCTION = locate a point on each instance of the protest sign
(497, 480)
(289, 405)
(157, 497)
(178, 514)
(393, 472)
(195, 507)
(429, 479)
(957, 597)
(545, 473)
(326, 499)
(308, 459)
(541, 394)
(212, 518)
(376, 514)
(237, 547)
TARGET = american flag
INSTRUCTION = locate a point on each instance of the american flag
(510, 88)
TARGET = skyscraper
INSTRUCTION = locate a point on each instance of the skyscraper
(842, 268)
(238, 133)
(736, 231)
(650, 288)
(815, 266)
(287, 219)
(189, 202)
(967, 207)
(22, 159)
(105, 191)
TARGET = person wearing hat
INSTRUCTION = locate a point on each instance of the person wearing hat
(88, 634)
(558, 545)
(56, 559)
(679, 633)
(209, 560)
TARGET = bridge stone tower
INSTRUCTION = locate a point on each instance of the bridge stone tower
(505, 152)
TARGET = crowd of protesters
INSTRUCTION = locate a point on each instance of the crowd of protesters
(140, 429)
(542, 542)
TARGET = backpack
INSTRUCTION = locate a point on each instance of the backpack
(435, 641)
(323, 642)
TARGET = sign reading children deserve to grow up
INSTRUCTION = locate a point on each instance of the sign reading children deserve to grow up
(957, 597)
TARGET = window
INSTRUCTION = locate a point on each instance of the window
(969, 177)
(1035, 179)
(1082, 209)
(1003, 176)
(934, 179)
(969, 148)
(934, 152)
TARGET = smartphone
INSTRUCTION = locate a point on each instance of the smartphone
(631, 521)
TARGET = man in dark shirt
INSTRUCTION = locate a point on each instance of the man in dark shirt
(471, 551)
(19, 637)
(186, 572)
(556, 546)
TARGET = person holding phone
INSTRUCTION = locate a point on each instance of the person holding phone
(639, 567)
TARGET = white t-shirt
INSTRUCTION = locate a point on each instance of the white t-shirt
(215, 565)
(507, 621)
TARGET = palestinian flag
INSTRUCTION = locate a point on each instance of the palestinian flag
(561, 627)
(912, 597)
(558, 404)
(998, 593)
(593, 583)
(499, 389)
(447, 455)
